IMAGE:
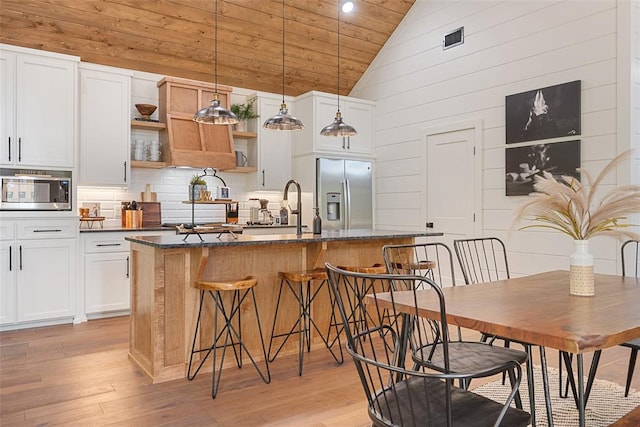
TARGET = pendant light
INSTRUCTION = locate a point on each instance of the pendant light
(282, 120)
(338, 127)
(215, 114)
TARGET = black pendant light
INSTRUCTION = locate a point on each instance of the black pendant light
(215, 114)
(338, 127)
(282, 120)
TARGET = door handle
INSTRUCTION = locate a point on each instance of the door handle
(48, 231)
(9, 148)
(125, 171)
(20, 149)
(20, 257)
(108, 244)
(263, 177)
(127, 267)
(10, 258)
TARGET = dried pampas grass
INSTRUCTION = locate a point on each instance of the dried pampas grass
(565, 205)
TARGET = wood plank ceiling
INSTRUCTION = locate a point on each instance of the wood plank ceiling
(177, 37)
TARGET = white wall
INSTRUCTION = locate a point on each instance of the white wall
(509, 47)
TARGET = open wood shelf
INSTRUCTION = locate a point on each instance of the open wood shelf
(141, 124)
(244, 135)
(241, 169)
(148, 165)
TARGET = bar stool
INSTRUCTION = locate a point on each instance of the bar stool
(298, 285)
(227, 310)
(354, 292)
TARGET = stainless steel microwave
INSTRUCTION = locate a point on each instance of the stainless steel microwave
(39, 190)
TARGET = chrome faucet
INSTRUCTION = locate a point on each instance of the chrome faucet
(298, 211)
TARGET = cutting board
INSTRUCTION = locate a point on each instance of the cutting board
(149, 196)
(151, 213)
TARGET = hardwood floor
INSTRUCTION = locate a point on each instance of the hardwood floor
(80, 375)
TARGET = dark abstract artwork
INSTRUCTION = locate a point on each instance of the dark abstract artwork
(524, 163)
(550, 112)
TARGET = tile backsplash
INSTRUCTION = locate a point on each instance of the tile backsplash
(172, 188)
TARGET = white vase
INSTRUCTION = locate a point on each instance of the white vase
(241, 126)
(581, 280)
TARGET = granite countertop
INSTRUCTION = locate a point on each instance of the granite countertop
(227, 239)
(118, 227)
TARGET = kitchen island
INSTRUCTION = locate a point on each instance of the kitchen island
(164, 304)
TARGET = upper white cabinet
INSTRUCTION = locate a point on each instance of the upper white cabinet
(272, 153)
(38, 102)
(318, 109)
(105, 125)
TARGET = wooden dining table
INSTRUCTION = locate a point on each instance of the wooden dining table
(538, 309)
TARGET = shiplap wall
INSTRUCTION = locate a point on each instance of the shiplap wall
(509, 47)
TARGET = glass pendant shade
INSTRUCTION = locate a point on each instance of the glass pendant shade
(338, 128)
(283, 121)
(215, 114)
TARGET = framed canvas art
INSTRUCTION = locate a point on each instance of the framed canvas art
(524, 163)
(549, 112)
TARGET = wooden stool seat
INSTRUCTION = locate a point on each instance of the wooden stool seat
(297, 285)
(246, 283)
(372, 269)
(415, 265)
(303, 276)
(227, 325)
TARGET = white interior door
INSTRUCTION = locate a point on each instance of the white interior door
(453, 181)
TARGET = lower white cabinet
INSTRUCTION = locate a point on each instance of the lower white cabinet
(106, 275)
(38, 271)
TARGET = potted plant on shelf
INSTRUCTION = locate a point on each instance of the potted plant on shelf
(566, 206)
(196, 185)
(244, 112)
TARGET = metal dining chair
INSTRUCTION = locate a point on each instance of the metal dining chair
(435, 261)
(400, 396)
(485, 260)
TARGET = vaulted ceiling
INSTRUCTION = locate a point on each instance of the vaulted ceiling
(177, 37)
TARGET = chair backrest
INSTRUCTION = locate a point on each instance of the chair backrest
(396, 395)
(482, 259)
(432, 260)
(630, 253)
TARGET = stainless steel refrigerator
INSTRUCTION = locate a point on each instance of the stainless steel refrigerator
(343, 193)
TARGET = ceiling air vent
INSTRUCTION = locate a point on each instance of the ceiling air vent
(453, 38)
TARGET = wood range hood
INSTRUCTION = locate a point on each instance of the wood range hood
(187, 143)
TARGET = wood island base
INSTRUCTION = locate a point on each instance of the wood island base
(164, 305)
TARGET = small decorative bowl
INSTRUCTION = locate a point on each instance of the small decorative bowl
(146, 110)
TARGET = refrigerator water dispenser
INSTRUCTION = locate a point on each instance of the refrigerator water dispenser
(333, 206)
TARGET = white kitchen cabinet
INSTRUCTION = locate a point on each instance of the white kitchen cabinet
(106, 272)
(105, 126)
(7, 275)
(318, 109)
(38, 271)
(272, 152)
(39, 108)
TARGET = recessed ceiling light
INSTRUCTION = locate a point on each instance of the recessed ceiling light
(347, 6)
